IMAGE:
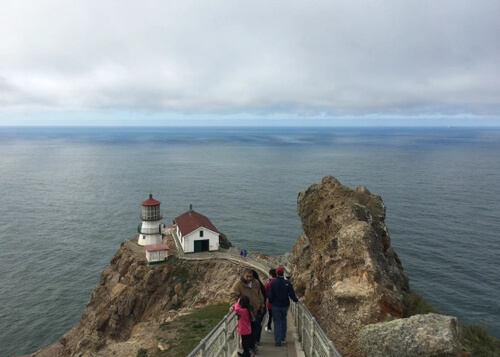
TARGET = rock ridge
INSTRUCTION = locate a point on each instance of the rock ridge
(343, 264)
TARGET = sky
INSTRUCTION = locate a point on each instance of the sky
(249, 62)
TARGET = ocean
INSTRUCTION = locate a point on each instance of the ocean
(71, 195)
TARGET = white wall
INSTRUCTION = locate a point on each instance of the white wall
(150, 227)
(157, 256)
(187, 242)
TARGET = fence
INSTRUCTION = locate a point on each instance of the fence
(221, 341)
(313, 339)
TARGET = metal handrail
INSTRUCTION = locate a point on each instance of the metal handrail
(312, 338)
(221, 341)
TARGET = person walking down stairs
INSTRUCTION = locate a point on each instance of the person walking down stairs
(280, 293)
(244, 328)
(272, 276)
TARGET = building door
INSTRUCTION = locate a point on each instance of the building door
(201, 245)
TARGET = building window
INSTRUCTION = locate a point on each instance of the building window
(201, 233)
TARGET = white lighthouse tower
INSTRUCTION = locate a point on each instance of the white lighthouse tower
(150, 228)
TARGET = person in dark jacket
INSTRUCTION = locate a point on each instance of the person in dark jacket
(280, 293)
(257, 324)
(250, 287)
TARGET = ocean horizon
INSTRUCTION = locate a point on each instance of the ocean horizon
(71, 195)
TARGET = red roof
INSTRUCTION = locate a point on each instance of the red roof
(191, 221)
(151, 201)
(156, 247)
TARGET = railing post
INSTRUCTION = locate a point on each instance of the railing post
(202, 347)
(226, 347)
(303, 326)
(331, 349)
(312, 336)
(296, 317)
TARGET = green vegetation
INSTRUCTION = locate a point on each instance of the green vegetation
(184, 333)
(479, 343)
(476, 338)
(414, 304)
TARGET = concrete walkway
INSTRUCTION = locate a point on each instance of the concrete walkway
(290, 348)
(231, 254)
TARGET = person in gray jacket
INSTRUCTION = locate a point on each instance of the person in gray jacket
(280, 293)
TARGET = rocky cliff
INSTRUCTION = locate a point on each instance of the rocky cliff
(343, 264)
(133, 298)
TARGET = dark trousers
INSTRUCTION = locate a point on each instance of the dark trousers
(269, 319)
(247, 343)
(257, 327)
(279, 324)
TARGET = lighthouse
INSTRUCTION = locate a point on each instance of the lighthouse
(150, 227)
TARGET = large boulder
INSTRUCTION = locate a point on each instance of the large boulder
(343, 265)
(429, 335)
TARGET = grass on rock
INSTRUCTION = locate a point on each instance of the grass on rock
(184, 333)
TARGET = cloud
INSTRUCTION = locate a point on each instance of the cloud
(263, 57)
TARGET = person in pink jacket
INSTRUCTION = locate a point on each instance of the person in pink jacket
(244, 328)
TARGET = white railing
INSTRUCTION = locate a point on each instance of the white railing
(313, 339)
(221, 341)
(156, 230)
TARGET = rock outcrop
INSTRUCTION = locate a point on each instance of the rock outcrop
(133, 298)
(343, 265)
(429, 335)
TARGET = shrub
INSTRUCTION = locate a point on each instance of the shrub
(414, 304)
(479, 343)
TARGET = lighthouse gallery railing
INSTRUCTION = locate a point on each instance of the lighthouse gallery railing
(223, 339)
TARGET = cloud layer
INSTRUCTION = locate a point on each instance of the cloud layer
(253, 57)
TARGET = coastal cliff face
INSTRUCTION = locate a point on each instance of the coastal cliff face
(343, 265)
(132, 299)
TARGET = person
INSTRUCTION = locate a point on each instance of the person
(280, 293)
(247, 285)
(257, 330)
(245, 253)
(241, 253)
(272, 276)
(244, 328)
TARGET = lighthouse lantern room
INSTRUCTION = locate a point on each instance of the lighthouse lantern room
(150, 227)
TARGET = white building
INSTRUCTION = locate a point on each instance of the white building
(150, 227)
(196, 233)
(156, 253)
